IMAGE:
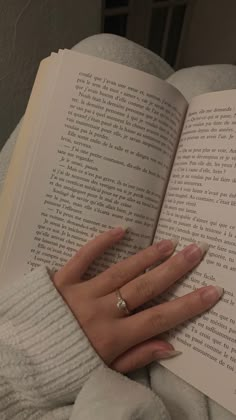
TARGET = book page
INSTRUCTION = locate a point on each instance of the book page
(200, 205)
(24, 150)
(103, 159)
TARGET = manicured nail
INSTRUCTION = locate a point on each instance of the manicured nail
(118, 231)
(175, 241)
(203, 246)
(211, 294)
(195, 252)
(167, 354)
(167, 245)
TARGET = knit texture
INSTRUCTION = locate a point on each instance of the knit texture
(204, 79)
(45, 356)
(120, 50)
(118, 398)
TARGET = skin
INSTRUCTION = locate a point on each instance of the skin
(129, 342)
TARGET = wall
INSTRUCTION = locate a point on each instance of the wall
(29, 31)
(210, 34)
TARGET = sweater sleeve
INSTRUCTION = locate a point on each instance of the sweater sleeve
(45, 356)
(49, 370)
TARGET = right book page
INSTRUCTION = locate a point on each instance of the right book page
(200, 205)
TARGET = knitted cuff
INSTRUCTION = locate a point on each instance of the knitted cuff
(56, 356)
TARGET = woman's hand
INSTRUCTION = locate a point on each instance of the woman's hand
(129, 342)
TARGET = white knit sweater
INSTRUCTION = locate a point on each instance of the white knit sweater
(49, 370)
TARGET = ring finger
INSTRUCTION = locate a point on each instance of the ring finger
(156, 320)
(148, 286)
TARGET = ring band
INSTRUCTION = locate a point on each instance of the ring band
(121, 303)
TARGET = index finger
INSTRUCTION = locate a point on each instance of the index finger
(75, 268)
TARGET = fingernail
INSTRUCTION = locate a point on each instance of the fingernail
(118, 231)
(203, 246)
(167, 245)
(211, 294)
(167, 354)
(195, 252)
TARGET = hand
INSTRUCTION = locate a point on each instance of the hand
(129, 342)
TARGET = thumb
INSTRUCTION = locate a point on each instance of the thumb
(143, 354)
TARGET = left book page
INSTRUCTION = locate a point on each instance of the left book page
(93, 163)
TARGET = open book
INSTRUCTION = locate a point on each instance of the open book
(103, 145)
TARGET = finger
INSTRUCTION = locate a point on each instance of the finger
(148, 286)
(74, 269)
(143, 354)
(151, 322)
(124, 271)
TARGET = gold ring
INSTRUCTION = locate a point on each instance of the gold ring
(121, 303)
